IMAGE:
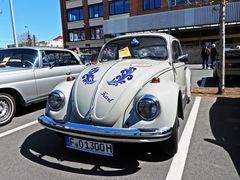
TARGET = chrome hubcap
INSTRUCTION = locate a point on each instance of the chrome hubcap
(4, 109)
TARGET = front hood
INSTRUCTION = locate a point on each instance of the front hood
(103, 92)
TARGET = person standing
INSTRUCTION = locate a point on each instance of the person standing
(213, 55)
(205, 55)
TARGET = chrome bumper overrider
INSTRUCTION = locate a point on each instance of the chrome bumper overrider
(130, 135)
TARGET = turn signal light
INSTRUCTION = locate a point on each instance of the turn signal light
(155, 80)
(70, 78)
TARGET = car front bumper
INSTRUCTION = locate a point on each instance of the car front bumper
(126, 135)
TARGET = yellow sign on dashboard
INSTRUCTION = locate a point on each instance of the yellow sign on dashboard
(4, 61)
(124, 52)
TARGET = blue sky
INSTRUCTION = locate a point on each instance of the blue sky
(42, 17)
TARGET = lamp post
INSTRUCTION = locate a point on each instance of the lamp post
(13, 24)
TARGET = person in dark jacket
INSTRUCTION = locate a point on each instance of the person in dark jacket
(205, 55)
(213, 55)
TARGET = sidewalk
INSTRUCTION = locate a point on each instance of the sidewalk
(206, 86)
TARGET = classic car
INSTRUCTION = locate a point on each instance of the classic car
(232, 64)
(136, 96)
(29, 74)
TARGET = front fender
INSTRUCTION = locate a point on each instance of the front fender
(65, 87)
(167, 93)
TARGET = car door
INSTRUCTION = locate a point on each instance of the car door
(52, 71)
(179, 67)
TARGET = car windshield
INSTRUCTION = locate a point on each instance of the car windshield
(135, 47)
(26, 58)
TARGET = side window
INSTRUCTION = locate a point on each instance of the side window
(110, 53)
(58, 58)
(67, 58)
(176, 50)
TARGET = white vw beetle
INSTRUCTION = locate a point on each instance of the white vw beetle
(136, 96)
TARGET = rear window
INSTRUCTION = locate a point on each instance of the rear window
(232, 54)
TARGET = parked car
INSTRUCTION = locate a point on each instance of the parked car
(232, 64)
(136, 96)
(29, 74)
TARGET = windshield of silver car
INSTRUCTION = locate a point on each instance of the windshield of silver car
(26, 58)
(140, 47)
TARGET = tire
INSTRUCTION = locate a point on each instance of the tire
(170, 146)
(7, 108)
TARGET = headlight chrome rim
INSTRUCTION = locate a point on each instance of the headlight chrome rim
(62, 100)
(154, 100)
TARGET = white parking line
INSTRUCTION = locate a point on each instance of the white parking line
(177, 166)
(18, 129)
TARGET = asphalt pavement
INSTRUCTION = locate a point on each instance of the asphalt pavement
(31, 152)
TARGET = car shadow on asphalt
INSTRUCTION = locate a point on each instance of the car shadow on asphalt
(29, 109)
(45, 147)
(206, 82)
(225, 126)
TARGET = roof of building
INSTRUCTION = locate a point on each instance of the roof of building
(58, 38)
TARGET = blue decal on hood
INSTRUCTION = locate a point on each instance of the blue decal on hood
(120, 79)
(89, 77)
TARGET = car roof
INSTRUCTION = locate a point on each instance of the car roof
(39, 48)
(164, 35)
(230, 49)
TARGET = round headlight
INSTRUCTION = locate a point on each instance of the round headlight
(148, 107)
(56, 100)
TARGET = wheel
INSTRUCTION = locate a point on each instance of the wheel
(170, 146)
(7, 108)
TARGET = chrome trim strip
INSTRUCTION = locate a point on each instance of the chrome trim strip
(130, 135)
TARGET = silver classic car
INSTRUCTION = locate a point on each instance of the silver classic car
(28, 75)
(136, 96)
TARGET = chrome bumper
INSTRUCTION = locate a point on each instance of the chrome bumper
(128, 135)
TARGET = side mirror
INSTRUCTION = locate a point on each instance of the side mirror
(51, 65)
(87, 63)
(183, 58)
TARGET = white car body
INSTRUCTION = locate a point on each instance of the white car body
(103, 103)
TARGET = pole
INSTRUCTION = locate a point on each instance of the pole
(13, 24)
(221, 86)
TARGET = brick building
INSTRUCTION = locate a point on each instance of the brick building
(88, 23)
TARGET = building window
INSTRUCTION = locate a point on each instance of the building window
(76, 35)
(75, 14)
(95, 11)
(151, 4)
(119, 7)
(97, 32)
(180, 2)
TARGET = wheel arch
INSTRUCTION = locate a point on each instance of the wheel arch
(180, 106)
(15, 94)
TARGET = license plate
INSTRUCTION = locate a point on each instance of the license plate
(95, 147)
